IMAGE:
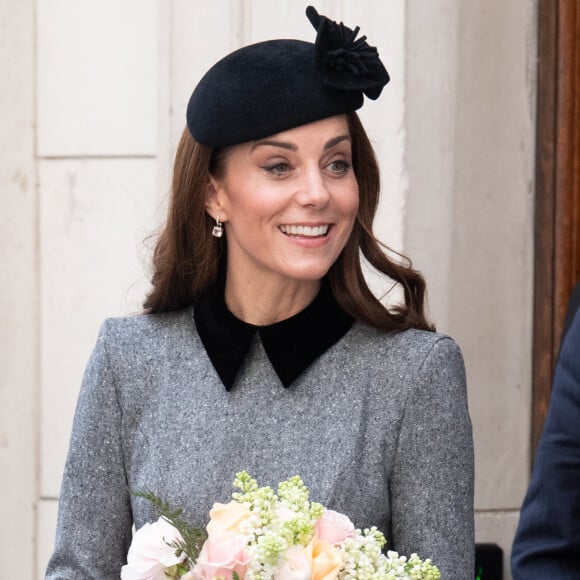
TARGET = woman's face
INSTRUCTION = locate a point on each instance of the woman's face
(288, 202)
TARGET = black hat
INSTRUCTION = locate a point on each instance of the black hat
(271, 86)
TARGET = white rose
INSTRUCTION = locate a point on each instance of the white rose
(149, 554)
(296, 565)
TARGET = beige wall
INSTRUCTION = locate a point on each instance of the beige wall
(19, 293)
(96, 93)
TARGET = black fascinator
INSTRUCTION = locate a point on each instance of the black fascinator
(272, 86)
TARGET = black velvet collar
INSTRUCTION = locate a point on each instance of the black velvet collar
(291, 345)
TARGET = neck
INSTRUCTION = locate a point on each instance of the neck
(268, 303)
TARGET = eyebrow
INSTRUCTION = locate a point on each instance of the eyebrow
(291, 147)
(272, 143)
(333, 142)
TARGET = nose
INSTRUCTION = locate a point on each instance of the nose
(313, 190)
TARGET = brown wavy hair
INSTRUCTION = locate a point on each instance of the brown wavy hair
(188, 260)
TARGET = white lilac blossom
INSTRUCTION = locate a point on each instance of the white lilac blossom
(363, 559)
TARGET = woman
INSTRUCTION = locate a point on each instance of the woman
(262, 347)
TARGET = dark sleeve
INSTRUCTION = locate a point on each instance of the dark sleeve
(432, 482)
(573, 307)
(547, 542)
(94, 518)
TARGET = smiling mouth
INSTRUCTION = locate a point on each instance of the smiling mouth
(307, 231)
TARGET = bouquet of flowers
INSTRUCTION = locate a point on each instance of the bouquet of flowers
(263, 535)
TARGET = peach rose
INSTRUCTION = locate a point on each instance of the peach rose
(296, 564)
(149, 554)
(221, 556)
(326, 560)
(227, 518)
(334, 528)
(317, 561)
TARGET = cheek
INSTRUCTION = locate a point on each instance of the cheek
(252, 202)
(349, 209)
(350, 202)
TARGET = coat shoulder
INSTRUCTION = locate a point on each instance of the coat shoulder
(410, 347)
(147, 326)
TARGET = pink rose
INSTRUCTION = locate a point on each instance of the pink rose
(334, 528)
(149, 554)
(222, 556)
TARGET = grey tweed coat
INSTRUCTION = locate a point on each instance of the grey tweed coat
(378, 428)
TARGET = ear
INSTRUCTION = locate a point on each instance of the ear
(214, 200)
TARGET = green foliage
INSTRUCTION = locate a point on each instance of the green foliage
(193, 538)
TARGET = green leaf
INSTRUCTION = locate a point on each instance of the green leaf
(193, 538)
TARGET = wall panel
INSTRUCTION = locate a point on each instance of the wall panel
(18, 293)
(97, 77)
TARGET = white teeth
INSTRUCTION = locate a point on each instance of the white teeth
(305, 230)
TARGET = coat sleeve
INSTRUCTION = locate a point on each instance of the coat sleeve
(94, 520)
(432, 480)
(547, 542)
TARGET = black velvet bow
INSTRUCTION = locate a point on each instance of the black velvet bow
(348, 63)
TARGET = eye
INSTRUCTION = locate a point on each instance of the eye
(277, 169)
(339, 167)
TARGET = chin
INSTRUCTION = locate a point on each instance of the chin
(309, 274)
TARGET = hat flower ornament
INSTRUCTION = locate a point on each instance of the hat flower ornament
(348, 62)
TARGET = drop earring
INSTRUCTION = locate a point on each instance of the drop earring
(218, 229)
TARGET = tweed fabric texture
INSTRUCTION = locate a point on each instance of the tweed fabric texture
(378, 428)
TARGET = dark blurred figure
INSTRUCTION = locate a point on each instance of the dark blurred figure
(573, 306)
(547, 542)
